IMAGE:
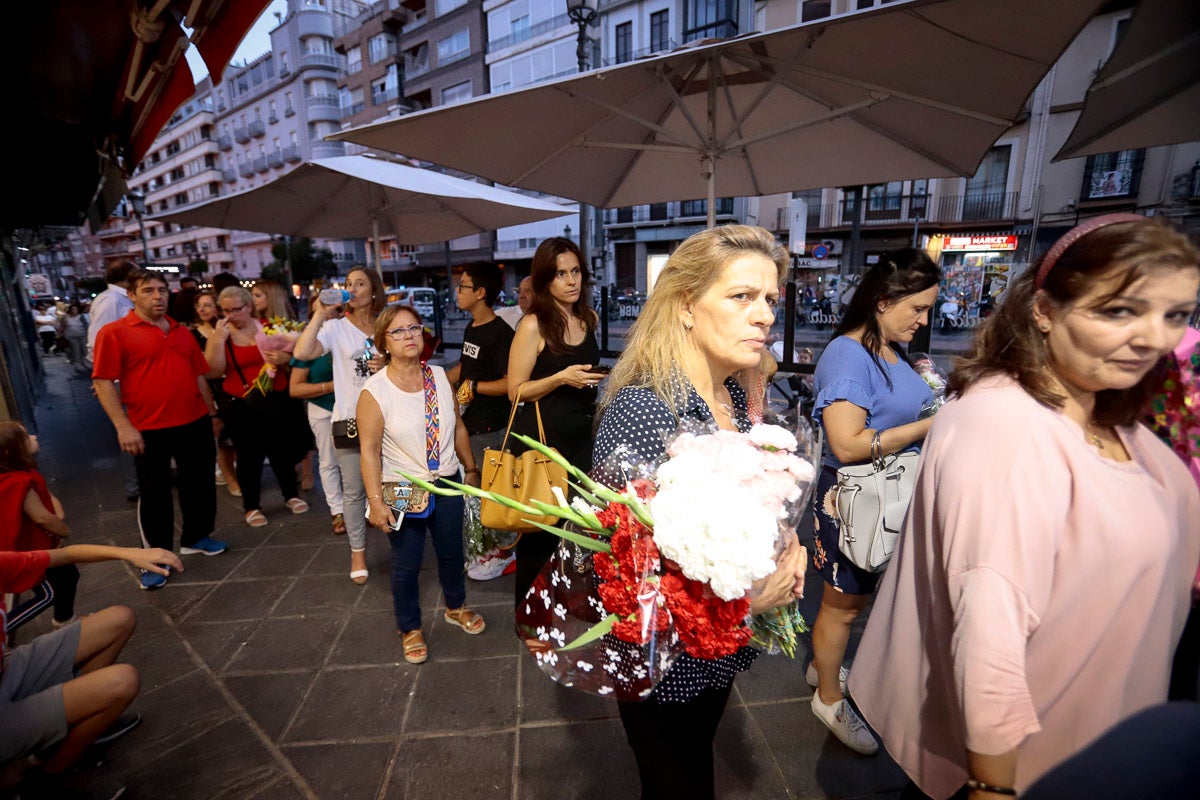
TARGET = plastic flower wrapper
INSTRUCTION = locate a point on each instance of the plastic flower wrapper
(278, 334)
(657, 568)
(1174, 411)
(480, 541)
(924, 366)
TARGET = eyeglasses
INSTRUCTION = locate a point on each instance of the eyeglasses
(242, 307)
(463, 286)
(404, 333)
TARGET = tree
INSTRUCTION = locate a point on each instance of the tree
(307, 262)
(197, 267)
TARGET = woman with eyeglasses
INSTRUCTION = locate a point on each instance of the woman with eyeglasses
(259, 424)
(408, 422)
(551, 367)
(349, 338)
(206, 315)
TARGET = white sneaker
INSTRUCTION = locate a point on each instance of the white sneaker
(810, 675)
(846, 725)
(493, 567)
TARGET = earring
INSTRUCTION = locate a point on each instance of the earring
(687, 328)
(1044, 328)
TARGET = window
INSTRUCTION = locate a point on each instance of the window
(353, 60)
(443, 7)
(883, 200)
(710, 19)
(380, 47)
(1112, 175)
(660, 31)
(455, 47)
(284, 69)
(818, 9)
(699, 208)
(623, 43)
(456, 93)
(520, 28)
(986, 188)
(920, 197)
(379, 93)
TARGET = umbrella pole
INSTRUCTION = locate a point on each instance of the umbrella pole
(375, 244)
(709, 171)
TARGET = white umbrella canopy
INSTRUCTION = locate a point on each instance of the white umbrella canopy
(356, 197)
(911, 90)
(1148, 92)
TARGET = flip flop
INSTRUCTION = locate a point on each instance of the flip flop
(256, 518)
(297, 505)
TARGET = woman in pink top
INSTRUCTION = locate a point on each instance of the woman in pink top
(1043, 576)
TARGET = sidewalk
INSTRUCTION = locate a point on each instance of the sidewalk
(267, 674)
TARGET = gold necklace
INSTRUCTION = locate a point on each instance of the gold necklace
(1093, 438)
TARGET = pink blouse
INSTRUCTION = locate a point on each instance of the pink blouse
(1036, 595)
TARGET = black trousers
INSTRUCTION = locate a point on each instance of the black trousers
(673, 744)
(195, 455)
(268, 430)
(533, 551)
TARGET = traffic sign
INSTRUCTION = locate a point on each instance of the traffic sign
(820, 251)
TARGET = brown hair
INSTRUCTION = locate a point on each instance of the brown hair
(14, 447)
(1010, 343)
(542, 271)
(137, 277)
(378, 293)
(278, 302)
(385, 320)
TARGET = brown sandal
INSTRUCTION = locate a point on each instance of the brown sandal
(339, 525)
(415, 649)
(466, 619)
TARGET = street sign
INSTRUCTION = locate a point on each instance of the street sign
(797, 224)
(820, 251)
(816, 263)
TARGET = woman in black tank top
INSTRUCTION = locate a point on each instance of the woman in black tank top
(551, 361)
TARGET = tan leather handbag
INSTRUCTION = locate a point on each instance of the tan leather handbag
(529, 476)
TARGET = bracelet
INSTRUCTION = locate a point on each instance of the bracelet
(980, 786)
(374, 497)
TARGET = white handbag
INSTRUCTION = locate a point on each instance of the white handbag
(871, 501)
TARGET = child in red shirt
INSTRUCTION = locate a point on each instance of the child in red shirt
(31, 518)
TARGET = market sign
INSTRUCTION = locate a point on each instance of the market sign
(962, 244)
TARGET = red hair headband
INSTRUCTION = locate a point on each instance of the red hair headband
(1074, 235)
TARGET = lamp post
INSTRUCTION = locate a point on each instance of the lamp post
(138, 201)
(584, 13)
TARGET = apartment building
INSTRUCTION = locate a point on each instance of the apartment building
(182, 167)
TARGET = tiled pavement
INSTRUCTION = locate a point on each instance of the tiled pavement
(267, 674)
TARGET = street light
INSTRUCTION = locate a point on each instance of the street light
(138, 201)
(582, 13)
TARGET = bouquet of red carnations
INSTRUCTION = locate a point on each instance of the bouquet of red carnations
(667, 565)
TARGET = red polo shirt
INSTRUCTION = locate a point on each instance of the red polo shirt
(157, 371)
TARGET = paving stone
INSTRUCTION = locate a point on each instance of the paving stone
(178, 717)
(353, 703)
(292, 643)
(210, 569)
(342, 770)
(544, 700)
(157, 651)
(318, 594)
(240, 600)
(177, 599)
(369, 638)
(270, 698)
(580, 760)
(462, 767)
(331, 558)
(216, 642)
(463, 695)
(744, 766)
(271, 562)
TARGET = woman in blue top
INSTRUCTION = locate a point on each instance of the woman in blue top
(864, 386)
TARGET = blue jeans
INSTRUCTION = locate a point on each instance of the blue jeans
(408, 549)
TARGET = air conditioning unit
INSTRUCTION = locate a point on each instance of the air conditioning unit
(834, 245)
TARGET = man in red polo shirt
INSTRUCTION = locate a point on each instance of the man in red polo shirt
(162, 412)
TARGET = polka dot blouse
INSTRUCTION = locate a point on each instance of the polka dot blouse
(643, 422)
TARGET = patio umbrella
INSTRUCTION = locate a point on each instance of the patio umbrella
(1148, 92)
(352, 197)
(911, 90)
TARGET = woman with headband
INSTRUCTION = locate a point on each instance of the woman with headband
(1042, 580)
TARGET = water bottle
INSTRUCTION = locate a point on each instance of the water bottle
(333, 297)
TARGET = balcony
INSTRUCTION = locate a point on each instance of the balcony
(260, 164)
(275, 159)
(291, 153)
(258, 129)
(319, 60)
(385, 98)
(241, 135)
(323, 149)
(229, 175)
(516, 37)
(273, 119)
(646, 52)
(323, 100)
(357, 108)
(905, 209)
(246, 170)
(224, 143)
(289, 111)
(382, 51)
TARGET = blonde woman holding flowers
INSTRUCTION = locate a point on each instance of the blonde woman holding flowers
(706, 322)
(1043, 575)
(408, 422)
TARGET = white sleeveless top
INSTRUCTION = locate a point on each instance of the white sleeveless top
(404, 425)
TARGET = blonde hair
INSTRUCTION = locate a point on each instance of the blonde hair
(657, 341)
(277, 299)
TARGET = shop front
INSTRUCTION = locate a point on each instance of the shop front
(975, 271)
